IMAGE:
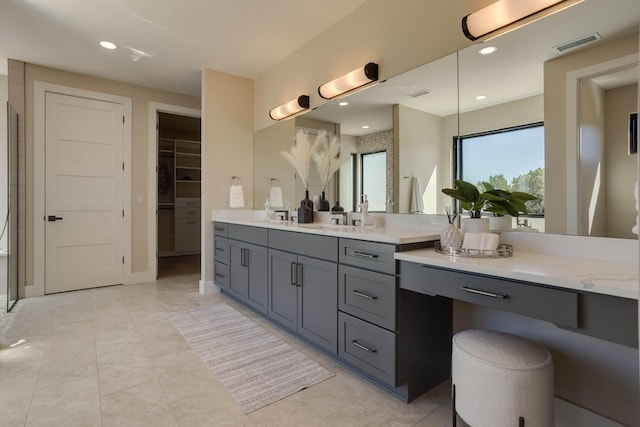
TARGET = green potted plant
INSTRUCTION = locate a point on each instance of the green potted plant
(499, 202)
(504, 205)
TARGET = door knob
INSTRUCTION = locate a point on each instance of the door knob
(53, 218)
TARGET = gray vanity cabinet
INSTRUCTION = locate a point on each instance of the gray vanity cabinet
(247, 265)
(384, 332)
(221, 254)
(303, 297)
(303, 290)
(248, 274)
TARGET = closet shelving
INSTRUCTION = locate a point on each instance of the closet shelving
(179, 184)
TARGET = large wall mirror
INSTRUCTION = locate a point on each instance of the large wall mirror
(575, 72)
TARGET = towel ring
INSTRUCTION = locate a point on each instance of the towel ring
(235, 180)
(275, 182)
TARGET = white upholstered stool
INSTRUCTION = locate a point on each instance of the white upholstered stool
(501, 379)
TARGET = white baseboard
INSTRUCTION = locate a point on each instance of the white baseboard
(567, 414)
(207, 288)
(139, 277)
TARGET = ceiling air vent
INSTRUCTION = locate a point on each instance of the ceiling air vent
(577, 43)
(419, 92)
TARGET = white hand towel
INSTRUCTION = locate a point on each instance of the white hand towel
(484, 242)
(236, 196)
(275, 197)
(417, 205)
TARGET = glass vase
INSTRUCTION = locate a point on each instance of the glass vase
(451, 237)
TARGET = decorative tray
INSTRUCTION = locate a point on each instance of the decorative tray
(502, 251)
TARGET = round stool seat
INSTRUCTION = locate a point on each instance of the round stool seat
(499, 378)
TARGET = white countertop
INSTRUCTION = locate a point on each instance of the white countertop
(395, 236)
(599, 276)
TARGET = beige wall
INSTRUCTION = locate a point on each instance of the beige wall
(592, 156)
(555, 112)
(227, 149)
(398, 36)
(620, 167)
(140, 96)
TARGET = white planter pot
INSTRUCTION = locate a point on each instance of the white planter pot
(501, 223)
(474, 225)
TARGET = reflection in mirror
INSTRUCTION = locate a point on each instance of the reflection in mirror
(524, 81)
(571, 70)
(412, 118)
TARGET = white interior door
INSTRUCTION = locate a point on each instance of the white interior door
(84, 141)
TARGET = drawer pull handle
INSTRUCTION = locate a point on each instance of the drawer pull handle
(219, 228)
(220, 249)
(294, 274)
(220, 275)
(363, 295)
(364, 255)
(484, 293)
(363, 347)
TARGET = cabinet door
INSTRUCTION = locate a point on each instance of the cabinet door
(283, 292)
(237, 270)
(256, 265)
(318, 302)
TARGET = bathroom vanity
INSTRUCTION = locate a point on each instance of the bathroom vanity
(380, 301)
(338, 289)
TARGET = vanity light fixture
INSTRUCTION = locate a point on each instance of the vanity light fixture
(350, 81)
(108, 45)
(480, 97)
(291, 108)
(506, 12)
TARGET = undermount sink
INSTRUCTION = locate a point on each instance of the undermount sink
(329, 227)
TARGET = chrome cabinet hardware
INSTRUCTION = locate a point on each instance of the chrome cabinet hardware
(484, 293)
(294, 274)
(364, 255)
(363, 347)
(363, 295)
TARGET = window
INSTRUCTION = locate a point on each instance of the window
(374, 180)
(511, 159)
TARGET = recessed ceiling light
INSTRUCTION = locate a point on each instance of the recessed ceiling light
(365, 127)
(343, 103)
(487, 50)
(480, 97)
(108, 45)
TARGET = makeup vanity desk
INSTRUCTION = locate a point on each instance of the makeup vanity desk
(593, 297)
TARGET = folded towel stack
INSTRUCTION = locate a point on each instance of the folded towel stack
(483, 242)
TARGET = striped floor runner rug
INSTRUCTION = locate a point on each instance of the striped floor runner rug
(256, 367)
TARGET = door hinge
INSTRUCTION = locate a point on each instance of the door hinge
(122, 213)
(123, 119)
(122, 165)
(123, 260)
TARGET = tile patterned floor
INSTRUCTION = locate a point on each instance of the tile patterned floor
(110, 357)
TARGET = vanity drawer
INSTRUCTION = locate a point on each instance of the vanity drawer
(368, 348)
(220, 229)
(554, 305)
(368, 295)
(369, 255)
(221, 274)
(221, 249)
(311, 245)
(245, 233)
